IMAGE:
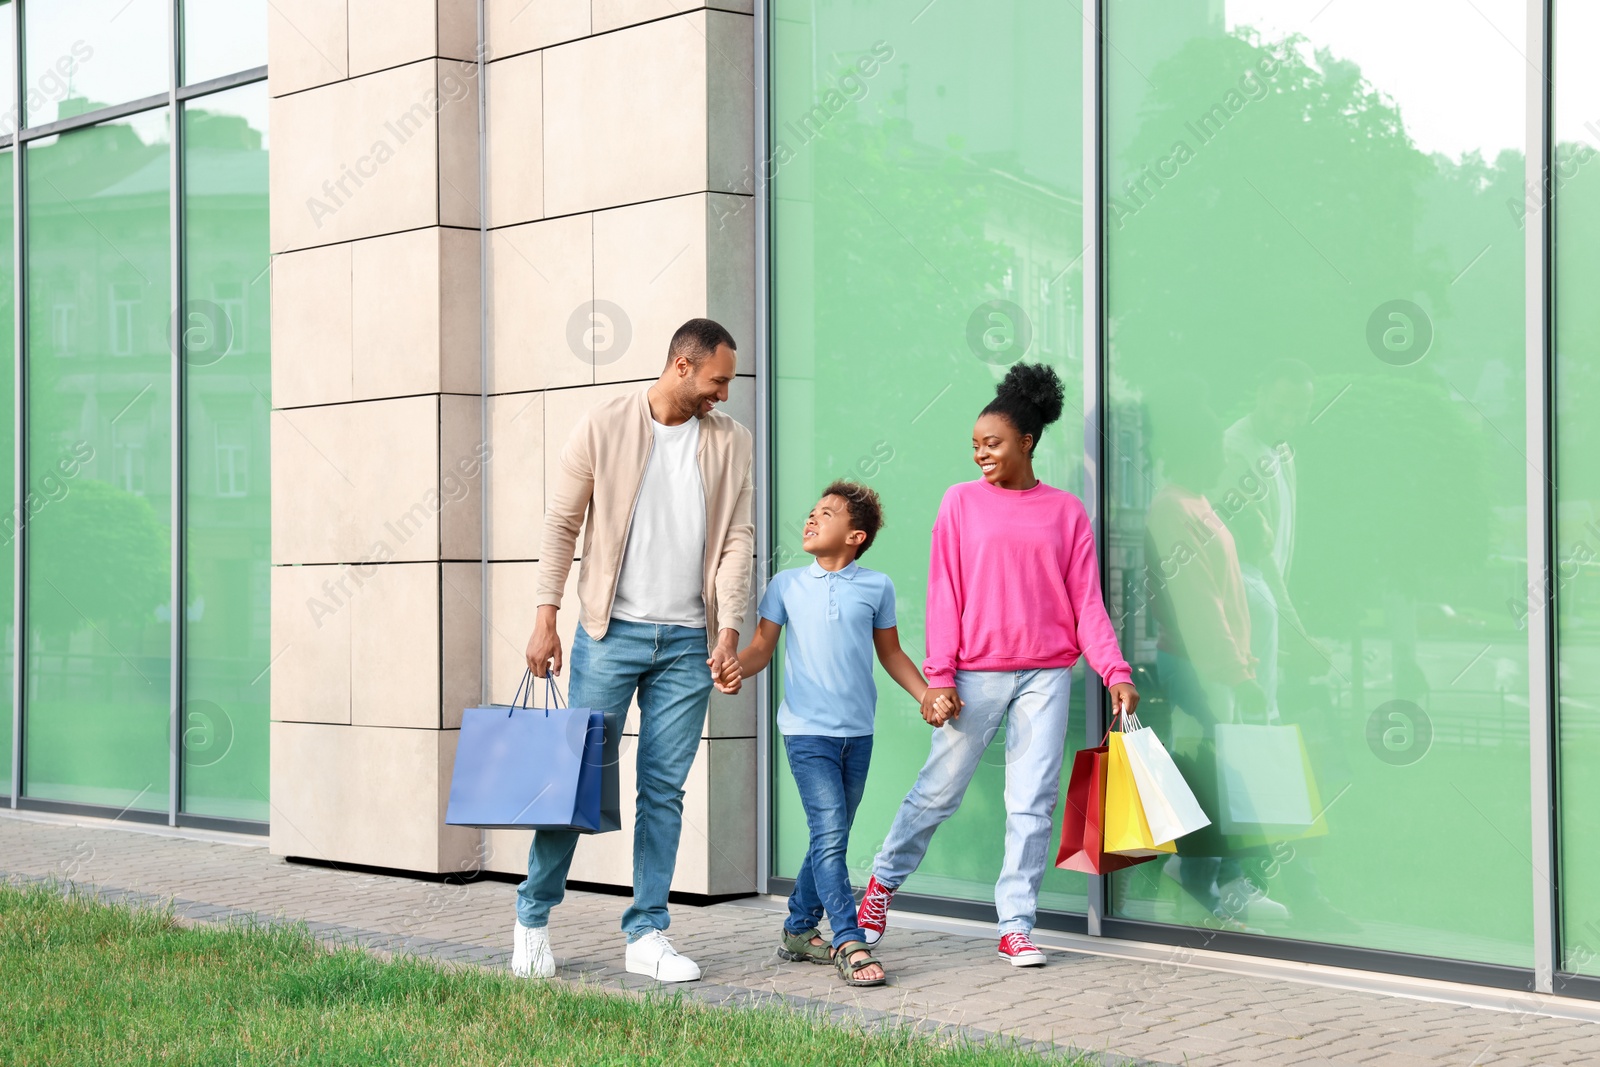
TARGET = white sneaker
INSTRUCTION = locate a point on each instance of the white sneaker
(654, 957)
(530, 952)
(1247, 902)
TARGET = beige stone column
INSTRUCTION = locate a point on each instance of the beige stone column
(377, 442)
(619, 204)
(620, 148)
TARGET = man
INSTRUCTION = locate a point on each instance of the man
(1256, 497)
(664, 480)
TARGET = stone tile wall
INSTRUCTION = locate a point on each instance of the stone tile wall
(618, 155)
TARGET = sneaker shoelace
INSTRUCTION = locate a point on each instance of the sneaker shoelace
(875, 906)
(657, 937)
(1016, 944)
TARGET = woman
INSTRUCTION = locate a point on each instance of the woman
(1203, 646)
(1013, 601)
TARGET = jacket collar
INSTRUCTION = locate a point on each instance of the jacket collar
(710, 426)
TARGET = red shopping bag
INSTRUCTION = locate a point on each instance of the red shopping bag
(1083, 823)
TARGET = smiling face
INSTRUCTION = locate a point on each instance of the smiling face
(827, 531)
(1003, 455)
(696, 389)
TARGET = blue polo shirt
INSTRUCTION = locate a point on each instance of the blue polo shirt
(827, 667)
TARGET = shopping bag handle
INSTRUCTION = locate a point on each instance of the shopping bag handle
(524, 695)
(552, 689)
(1130, 723)
(519, 700)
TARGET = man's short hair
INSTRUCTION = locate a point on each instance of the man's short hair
(866, 510)
(697, 339)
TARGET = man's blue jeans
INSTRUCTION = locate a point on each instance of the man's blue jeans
(667, 666)
(1032, 704)
(831, 774)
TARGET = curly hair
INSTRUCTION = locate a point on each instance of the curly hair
(866, 510)
(1029, 398)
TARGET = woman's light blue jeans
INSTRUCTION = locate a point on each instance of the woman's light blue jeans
(1032, 705)
(667, 665)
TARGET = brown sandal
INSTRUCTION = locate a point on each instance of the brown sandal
(848, 968)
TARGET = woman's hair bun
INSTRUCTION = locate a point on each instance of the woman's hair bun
(1035, 384)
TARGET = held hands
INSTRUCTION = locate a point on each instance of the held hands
(939, 706)
(726, 673)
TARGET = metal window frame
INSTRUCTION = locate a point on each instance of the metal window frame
(1541, 499)
(179, 319)
(222, 83)
(485, 480)
(764, 467)
(175, 99)
(1545, 975)
(95, 117)
(1094, 417)
(19, 451)
(173, 95)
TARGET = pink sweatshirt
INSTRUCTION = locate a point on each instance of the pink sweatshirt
(1014, 584)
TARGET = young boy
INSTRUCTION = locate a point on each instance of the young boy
(838, 612)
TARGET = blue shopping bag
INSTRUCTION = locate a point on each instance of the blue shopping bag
(522, 767)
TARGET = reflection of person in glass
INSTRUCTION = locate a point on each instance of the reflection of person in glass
(1013, 601)
(1255, 496)
(1203, 647)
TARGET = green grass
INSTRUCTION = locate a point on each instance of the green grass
(86, 983)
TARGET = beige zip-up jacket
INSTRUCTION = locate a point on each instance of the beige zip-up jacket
(598, 479)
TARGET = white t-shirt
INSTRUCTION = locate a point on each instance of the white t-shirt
(663, 565)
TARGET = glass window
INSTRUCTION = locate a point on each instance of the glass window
(99, 465)
(1316, 365)
(87, 54)
(223, 37)
(1577, 476)
(228, 502)
(8, 70)
(927, 207)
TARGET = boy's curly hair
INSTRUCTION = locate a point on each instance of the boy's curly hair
(866, 510)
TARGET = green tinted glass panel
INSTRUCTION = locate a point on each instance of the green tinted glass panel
(223, 37)
(227, 489)
(99, 465)
(1577, 391)
(8, 529)
(1318, 485)
(927, 232)
(84, 54)
(9, 116)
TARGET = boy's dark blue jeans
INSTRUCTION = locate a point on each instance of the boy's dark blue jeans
(831, 774)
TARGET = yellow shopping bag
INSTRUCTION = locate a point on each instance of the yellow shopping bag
(1127, 831)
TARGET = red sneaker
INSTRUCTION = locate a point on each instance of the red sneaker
(1020, 951)
(873, 913)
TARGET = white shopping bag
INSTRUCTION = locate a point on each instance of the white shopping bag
(1262, 778)
(1169, 804)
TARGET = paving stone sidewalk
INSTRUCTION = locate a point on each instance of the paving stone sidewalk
(1165, 1011)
